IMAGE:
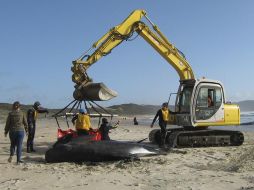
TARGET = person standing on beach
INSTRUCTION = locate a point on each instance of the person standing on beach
(31, 120)
(163, 115)
(15, 125)
(135, 121)
(105, 128)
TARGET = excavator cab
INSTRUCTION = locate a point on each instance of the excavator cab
(201, 103)
(208, 105)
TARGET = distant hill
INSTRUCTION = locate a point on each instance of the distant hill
(133, 109)
(8, 107)
(5, 108)
(122, 109)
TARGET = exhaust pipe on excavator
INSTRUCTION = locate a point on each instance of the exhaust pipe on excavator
(93, 92)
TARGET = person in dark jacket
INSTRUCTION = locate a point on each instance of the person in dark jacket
(15, 125)
(105, 128)
(31, 120)
(163, 115)
(135, 121)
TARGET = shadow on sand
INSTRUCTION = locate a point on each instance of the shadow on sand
(38, 156)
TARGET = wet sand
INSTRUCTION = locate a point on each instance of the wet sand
(196, 168)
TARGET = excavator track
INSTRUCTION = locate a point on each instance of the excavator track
(179, 138)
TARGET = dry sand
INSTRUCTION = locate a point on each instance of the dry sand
(196, 168)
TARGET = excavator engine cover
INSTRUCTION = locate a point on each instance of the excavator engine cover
(93, 92)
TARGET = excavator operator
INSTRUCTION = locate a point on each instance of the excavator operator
(163, 115)
(209, 101)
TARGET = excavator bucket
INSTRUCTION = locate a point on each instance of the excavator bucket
(93, 92)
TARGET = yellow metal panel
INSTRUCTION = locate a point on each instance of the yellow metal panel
(232, 114)
(207, 124)
(167, 52)
(231, 117)
(172, 119)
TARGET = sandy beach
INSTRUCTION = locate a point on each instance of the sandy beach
(196, 168)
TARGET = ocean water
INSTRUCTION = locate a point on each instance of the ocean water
(247, 122)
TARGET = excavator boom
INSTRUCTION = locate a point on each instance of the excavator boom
(113, 38)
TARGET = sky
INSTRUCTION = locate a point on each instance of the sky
(40, 39)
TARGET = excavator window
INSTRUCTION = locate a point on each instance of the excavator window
(218, 98)
(209, 100)
(185, 99)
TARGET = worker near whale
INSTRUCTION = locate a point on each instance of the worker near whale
(32, 115)
(105, 128)
(164, 115)
(82, 122)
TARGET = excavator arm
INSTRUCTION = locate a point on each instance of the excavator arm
(117, 35)
(104, 46)
(170, 53)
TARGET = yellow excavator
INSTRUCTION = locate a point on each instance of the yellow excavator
(199, 104)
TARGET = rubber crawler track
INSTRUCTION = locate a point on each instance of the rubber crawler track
(178, 137)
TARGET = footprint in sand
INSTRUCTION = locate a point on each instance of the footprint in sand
(11, 182)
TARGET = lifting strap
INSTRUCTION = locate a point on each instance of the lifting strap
(76, 106)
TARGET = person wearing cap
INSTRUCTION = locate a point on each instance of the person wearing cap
(82, 122)
(163, 115)
(32, 115)
(15, 126)
(105, 128)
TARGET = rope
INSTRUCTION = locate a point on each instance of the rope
(94, 108)
(111, 115)
(99, 123)
(55, 115)
(102, 108)
(96, 112)
(57, 123)
(78, 106)
(67, 121)
(86, 107)
(73, 106)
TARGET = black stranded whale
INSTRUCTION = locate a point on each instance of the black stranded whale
(82, 149)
